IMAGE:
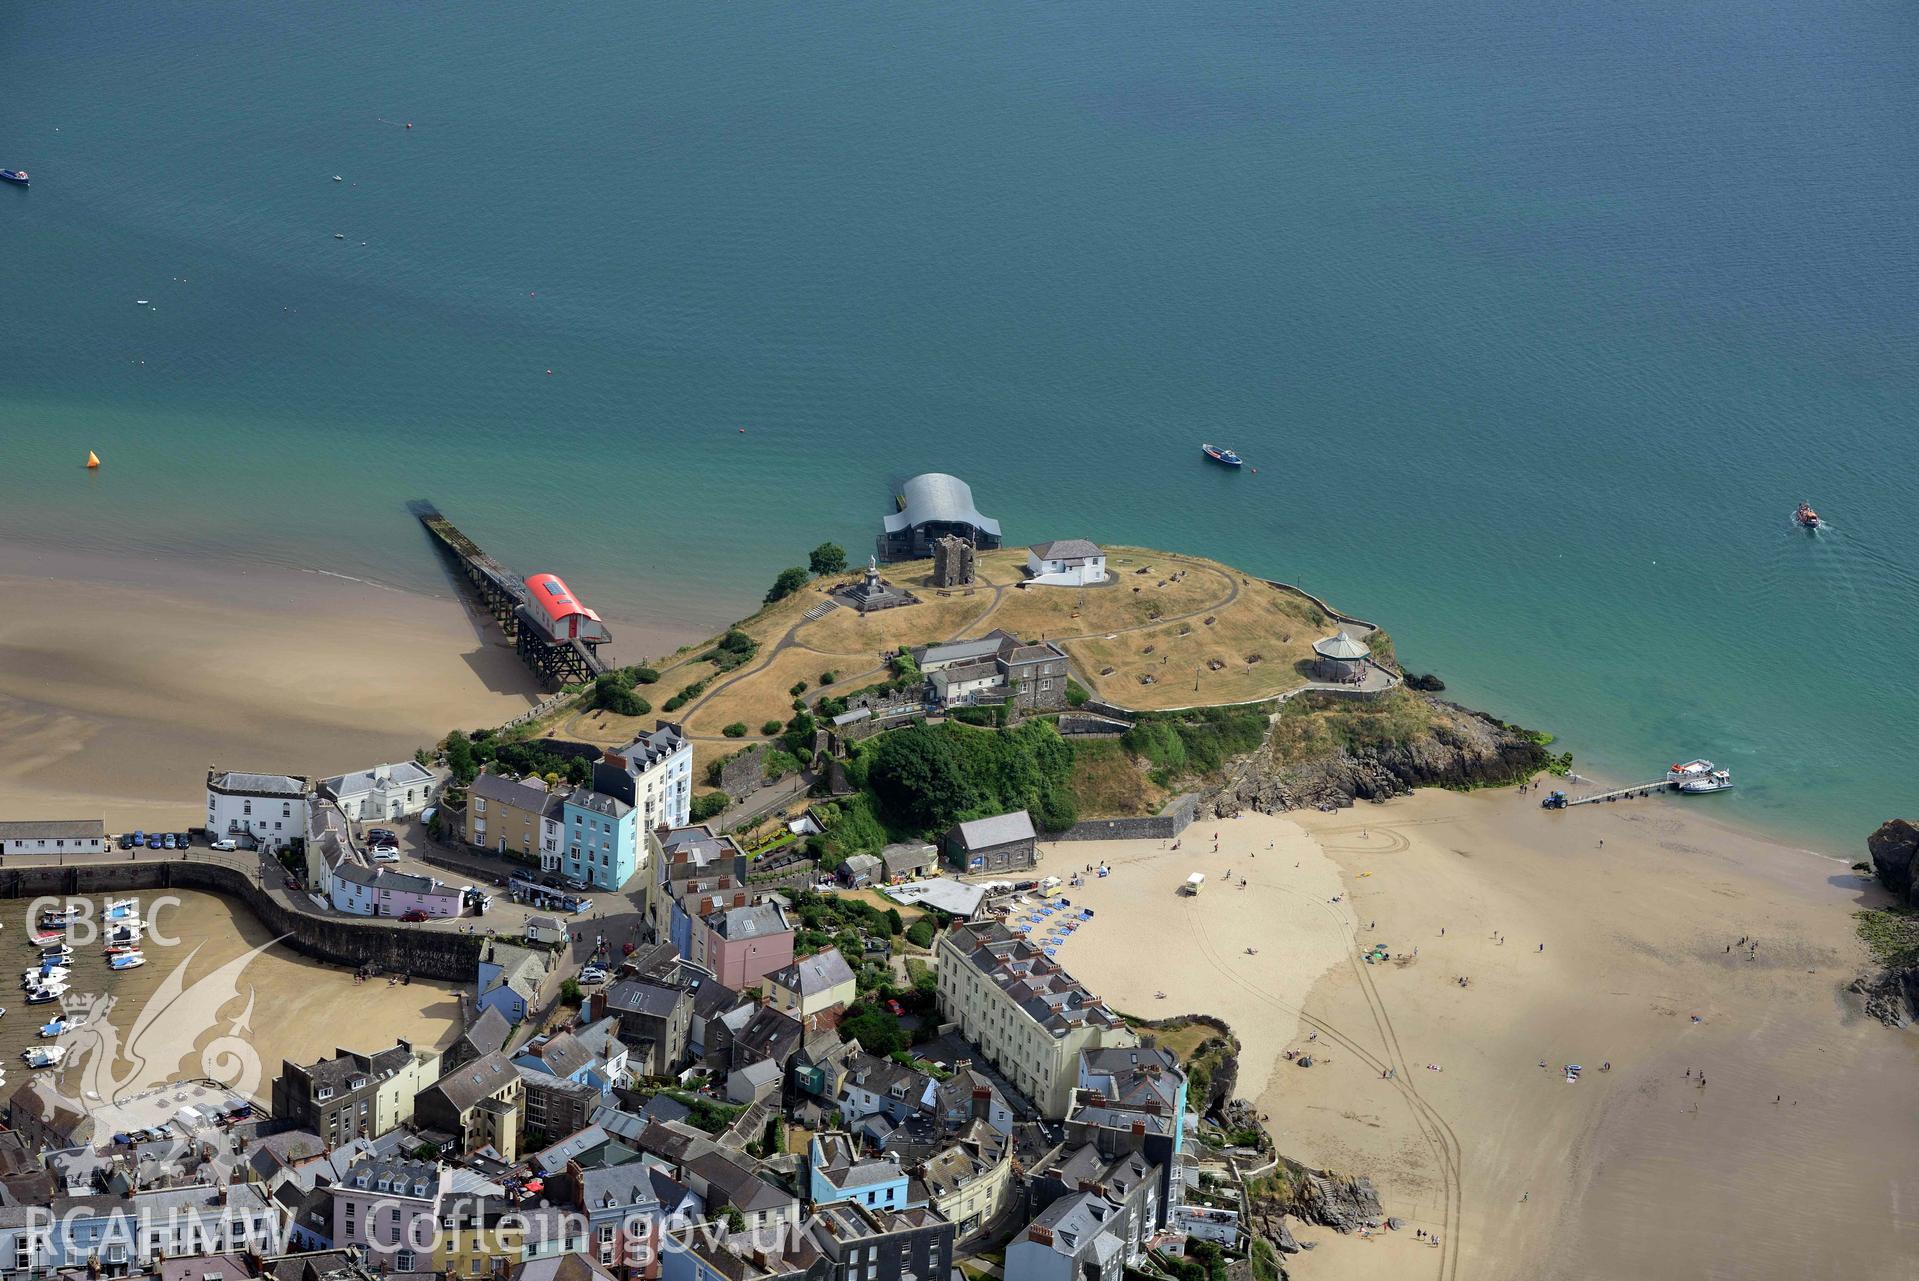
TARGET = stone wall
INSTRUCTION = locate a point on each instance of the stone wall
(1079, 724)
(1164, 826)
(745, 773)
(434, 954)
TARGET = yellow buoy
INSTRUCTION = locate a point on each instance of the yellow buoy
(93, 459)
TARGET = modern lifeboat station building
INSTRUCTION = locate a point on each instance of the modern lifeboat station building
(557, 635)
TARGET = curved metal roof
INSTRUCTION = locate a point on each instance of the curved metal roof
(937, 496)
(1342, 647)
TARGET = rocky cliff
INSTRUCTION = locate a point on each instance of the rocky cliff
(1895, 849)
(1331, 753)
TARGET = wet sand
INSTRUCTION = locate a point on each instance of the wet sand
(1633, 1172)
(281, 1006)
(124, 681)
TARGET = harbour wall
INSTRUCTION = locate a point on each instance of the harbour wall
(1164, 826)
(424, 953)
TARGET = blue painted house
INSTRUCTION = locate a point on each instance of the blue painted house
(599, 840)
(835, 1171)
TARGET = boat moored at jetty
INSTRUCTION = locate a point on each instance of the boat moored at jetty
(1714, 780)
(1223, 456)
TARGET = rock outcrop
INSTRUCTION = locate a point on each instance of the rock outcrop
(1891, 996)
(1459, 748)
(1895, 858)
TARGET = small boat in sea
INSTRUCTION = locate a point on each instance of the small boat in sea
(44, 1056)
(18, 177)
(1805, 517)
(1717, 780)
(1223, 456)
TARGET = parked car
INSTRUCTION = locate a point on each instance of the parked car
(153, 840)
(414, 917)
(381, 854)
(126, 840)
(224, 843)
(894, 1007)
(139, 837)
(575, 884)
(376, 834)
(182, 840)
(592, 974)
(166, 840)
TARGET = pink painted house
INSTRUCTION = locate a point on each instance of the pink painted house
(743, 944)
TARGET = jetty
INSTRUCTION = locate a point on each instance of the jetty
(1620, 793)
(553, 632)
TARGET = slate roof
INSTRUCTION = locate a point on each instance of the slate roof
(811, 975)
(521, 793)
(648, 750)
(935, 495)
(563, 1054)
(600, 803)
(361, 782)
(464, 1087)
(1001, 829)
(758, 921)
(1043, 991)
(258, 784)
(644, 996)
(82, 829)
(1066, 549)
(561, 1267)
(489, 1032)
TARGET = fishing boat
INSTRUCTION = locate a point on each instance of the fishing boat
(44, 1056)
(18, 177)
(127, 961)
(57, 918)
(1224, 457)
(1717, 780)
(1805, 517)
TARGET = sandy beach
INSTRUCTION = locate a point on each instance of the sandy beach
(282, 1005)
(1636, 1171)
(124, 681)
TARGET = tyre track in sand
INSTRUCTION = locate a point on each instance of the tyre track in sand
(1433, 1128)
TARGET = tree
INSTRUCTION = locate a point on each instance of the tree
(894, 925)
(827, 558)
(789, 581)
(920, 933)
(613, 692)
(878, 1032)
(736, 730)
(735, 1221)
(771, 727)
(570, 993)
(708, 805)
(459, 757)
(920, 779)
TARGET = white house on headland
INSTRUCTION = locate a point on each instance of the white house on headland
(383, 792)
(272, 808)
(53, 836)
(1066, 562)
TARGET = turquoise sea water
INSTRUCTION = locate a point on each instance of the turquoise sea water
(1536, 320)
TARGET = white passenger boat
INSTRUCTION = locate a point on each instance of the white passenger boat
(1717, 780)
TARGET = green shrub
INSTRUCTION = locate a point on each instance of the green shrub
(827, 558)
(736, 730)
(789, 581)
(613, 692)
(708, 805)
(570, 993)
(799, 687)
(771, 728)
(645, 675)
(920, 933)
(827, 678)
(1076, 694)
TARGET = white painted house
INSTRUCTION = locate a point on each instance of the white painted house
(272, 808)
(383, 792)
(53, 836)
(1066, 562)
(653, 774)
